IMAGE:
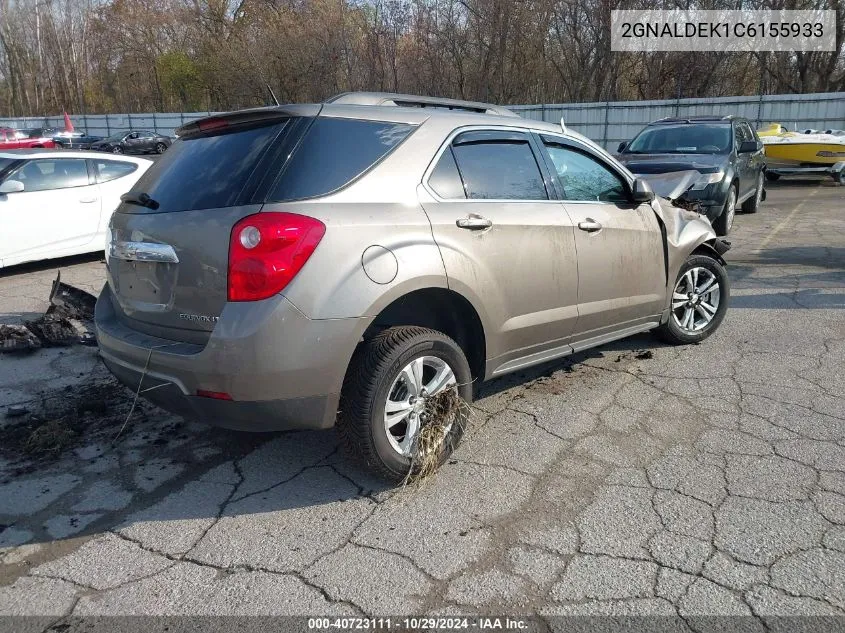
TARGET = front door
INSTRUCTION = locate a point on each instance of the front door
(622, 275)
(505, 242)
(58, 213)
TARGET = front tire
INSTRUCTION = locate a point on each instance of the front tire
(161, 148)
(384, 391)
(753, 203)
(722, 225)
(699, 301)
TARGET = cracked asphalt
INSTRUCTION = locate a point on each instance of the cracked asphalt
(636, 479)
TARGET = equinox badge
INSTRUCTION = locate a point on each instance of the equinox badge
(201, 318)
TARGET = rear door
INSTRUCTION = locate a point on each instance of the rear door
(505, 241)
(622, 278)
(167, 262)
(57, 213)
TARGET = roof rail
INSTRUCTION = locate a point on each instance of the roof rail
(416, 101)
(698, 118)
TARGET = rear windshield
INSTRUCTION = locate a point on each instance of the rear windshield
(685, 138)
(333, 153)
(207, 172)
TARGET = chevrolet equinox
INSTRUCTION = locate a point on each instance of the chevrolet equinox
(294, 266)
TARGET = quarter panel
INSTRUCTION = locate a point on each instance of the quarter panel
(340, 279)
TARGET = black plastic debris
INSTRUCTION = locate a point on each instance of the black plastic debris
(17, 339)
(16, 411)
(68, 320)
(71, 302)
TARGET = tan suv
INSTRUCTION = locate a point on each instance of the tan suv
(279, 266)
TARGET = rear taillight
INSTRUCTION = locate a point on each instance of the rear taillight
(267, 250)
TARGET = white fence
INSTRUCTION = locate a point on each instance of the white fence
(607, 123)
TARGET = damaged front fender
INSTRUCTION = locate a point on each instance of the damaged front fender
(684, 229)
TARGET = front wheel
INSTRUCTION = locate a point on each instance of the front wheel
(387, 395)
(699, 301)
(161, 148)
(722, 225)
(753, 203)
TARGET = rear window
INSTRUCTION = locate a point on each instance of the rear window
(207, 172)
(333, 153)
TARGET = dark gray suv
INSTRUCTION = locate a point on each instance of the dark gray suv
(724, 149)
(295, 266)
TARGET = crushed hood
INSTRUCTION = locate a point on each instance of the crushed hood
(672, 185)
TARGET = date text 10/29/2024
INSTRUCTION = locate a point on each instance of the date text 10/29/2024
(420, 623)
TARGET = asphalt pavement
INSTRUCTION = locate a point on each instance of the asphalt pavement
(634, 479)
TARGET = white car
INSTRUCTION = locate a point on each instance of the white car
(58, 203)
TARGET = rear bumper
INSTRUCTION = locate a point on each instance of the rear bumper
(282, 370)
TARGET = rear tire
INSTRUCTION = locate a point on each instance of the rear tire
(753, 203)
(374, 374)
(723, 224)
(709, 285)
(117, 149)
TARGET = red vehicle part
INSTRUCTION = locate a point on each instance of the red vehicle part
(9, 139)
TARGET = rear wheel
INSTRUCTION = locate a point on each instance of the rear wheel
(699, 301)
(383, 405)
(753, 203)
(59, 146)
(117, 149)
(725, 221)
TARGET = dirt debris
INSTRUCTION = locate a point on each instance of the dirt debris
(446, 415)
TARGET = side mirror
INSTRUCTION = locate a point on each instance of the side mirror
(622, 146)
(749, 147)
(642, 191)
(12, 186)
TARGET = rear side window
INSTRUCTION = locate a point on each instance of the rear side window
(446, 179)
(112, 169)
(500, 170)
(207, 172)
(333, 153)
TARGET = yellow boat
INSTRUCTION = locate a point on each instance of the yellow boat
(794, 148)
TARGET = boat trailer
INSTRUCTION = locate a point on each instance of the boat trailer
(836, 171)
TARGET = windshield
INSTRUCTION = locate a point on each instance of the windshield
(5, 162)
(685, 138)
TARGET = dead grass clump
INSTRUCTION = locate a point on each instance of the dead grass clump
(50, 438)
(445, 417)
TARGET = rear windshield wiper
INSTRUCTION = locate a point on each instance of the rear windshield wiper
(141, 199)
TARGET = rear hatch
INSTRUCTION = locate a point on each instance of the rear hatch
(168, 243)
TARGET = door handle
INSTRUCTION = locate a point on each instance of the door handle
(473, 222)
(87, 200)
(589, 225)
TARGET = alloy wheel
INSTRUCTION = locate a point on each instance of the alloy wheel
(695, 300)
(404, 409)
